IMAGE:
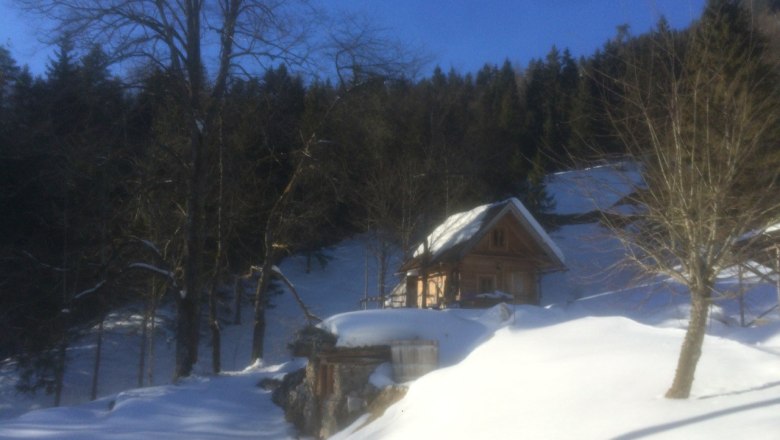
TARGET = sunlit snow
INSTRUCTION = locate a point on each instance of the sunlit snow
(592, 363)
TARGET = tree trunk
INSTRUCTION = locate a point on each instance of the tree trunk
(382, 268)
(187, 327)
(426, 259)
(216, 346)
(96, 365)
(365, 280)
(312, 319)
(152, 331)
(274, 218)
(258, 330)
(59, 365)
(424, 271)
(59, 370)
(187, 333)
(216, 353)
(142, 348)
(238, 291)
(692, 344)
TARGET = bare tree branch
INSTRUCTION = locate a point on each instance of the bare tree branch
(698, 115)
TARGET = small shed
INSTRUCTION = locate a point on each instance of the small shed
(334, 388)
(492, 253)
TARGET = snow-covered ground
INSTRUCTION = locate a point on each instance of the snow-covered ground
(337, 288)
(592, 363)
(587, 378)
(228, 406)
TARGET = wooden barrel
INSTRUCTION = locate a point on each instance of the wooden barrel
(414, 358)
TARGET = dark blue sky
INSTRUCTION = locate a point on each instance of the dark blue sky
(464, 34)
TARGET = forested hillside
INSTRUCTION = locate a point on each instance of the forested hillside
(96, 171)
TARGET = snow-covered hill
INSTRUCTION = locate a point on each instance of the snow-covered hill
(551, 377)
(592, 363)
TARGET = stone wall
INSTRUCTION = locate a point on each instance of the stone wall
(332, 391)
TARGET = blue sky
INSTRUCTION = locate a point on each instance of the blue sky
(464, 34)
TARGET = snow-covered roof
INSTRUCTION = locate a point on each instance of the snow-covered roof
(466, 228)
(539, 233)
(457, 229)
(597, 188)
(455, 333)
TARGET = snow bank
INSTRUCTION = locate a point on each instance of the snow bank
(226, 406)
(590, 378)
(458, 332)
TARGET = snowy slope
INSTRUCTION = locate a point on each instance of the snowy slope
(336, 288)
(545, 374)
(593, 364)
(588, 378)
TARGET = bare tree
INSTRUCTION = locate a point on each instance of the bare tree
(188, 38)
(177, 37)
(362, 51)
(275, 236)
(700, 118)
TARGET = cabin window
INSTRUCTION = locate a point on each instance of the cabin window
(487, 284)
(498, 238)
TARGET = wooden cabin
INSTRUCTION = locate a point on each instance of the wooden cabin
(492, 253)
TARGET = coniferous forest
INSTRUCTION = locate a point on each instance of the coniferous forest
(96, 171)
